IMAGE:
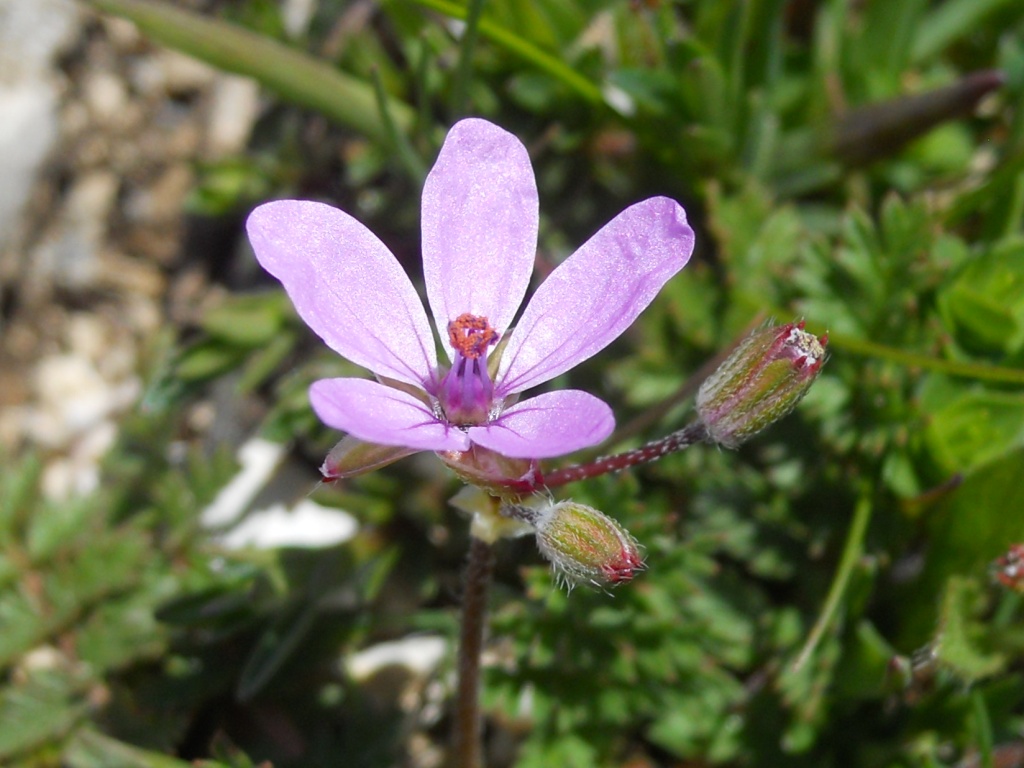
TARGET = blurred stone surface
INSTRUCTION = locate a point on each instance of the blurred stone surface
(232, 114)
(32, 34)
(69, 257)
(296, 15)
(101, 136)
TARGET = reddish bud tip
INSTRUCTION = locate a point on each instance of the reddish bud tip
(1009, 569)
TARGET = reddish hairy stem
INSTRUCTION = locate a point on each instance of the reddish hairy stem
(677, 441)
(467, 748)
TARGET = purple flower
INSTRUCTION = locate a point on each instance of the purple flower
(479, 227)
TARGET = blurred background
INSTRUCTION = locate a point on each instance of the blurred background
(176, 585)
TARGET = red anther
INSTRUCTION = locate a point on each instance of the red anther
(471, 335)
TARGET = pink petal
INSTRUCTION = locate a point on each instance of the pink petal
(551, 424)
(346, 286)
(479, 226)
(380, 414)
(596, 293)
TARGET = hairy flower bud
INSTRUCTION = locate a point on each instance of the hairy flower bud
(585, 545)
(352, 457)
(760, 382)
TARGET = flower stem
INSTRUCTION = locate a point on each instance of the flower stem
(969, 370)
(676, 441)
(467, 748)
(852, 551)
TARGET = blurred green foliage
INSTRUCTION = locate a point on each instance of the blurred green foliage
(841, 161)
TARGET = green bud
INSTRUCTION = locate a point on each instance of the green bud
(585, 546)
(760, 382)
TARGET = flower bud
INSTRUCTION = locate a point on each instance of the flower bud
(585, 545)
(353, 457)
(1009, 569)
(760, 382)
(500, 475)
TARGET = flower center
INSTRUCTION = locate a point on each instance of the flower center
(466, 393)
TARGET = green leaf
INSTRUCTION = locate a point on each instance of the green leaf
(60, 525)
(972, 526)
(984, 306)
(865, 664)
(19, 492)
(960, 633)
(21, 627)
(247, 321)
(949, 22)
(37, 710)
(225, 186)
(262, 364)
(124, 630)
(975, 428)
(91, 749)
(208, 359)
(275, 647)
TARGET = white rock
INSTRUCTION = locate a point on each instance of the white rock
(124, 35)
(105, 94)
(234, 110)
(259, 459)
(70, 257)
(296, 15)
(27, 133)
(181, 73)
(32, 32)
(162, 200)
(78, 473)
(73, 396)
(280, 523)
(307, 524)
(421, 654)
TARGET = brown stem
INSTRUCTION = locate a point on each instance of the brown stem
(467, 749)
(879, 130)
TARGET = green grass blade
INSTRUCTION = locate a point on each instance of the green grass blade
(526, 50)
(291, 74)
(948, 23)
(852, 551)
(978, 371)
